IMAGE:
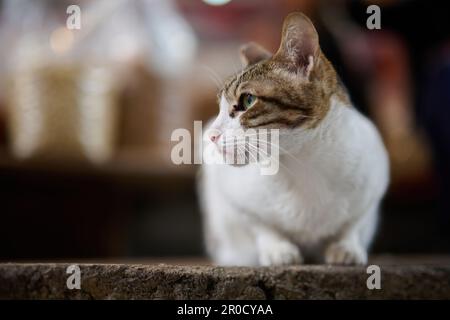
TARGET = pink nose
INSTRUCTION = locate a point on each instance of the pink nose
(214, 137)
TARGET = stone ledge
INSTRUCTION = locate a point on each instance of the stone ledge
(162, 281)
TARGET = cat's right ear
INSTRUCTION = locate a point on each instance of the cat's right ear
(299, 48)
(252, 53)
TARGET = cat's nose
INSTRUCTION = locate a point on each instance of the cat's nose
(214, 137)
(213, 134)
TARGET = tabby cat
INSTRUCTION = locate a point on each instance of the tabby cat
(322, 204)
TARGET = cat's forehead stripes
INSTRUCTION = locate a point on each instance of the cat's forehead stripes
(284, 100)
(232, 84)
(293, 87)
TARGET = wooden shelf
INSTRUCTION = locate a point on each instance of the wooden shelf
(126, 165)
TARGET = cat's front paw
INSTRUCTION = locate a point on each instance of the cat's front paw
(279, 254)
(345, 254)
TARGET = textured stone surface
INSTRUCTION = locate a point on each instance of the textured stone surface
(160, 281)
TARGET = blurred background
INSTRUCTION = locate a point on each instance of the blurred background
(86, 116)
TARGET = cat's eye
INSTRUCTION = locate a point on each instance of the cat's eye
(246, 101)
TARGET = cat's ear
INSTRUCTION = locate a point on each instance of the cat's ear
(299, 48)
(252, 53)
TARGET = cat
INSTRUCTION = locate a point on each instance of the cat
(322, 205)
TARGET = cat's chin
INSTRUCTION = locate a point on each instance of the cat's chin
(231, 159)
(237, 165)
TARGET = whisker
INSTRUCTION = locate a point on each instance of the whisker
(213, 76)
(273, 159)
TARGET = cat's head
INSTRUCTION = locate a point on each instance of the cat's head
(288, 90)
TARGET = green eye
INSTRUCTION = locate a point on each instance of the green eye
(248, 100)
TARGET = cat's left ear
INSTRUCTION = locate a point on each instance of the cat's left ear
(252, 53)
(299, 49)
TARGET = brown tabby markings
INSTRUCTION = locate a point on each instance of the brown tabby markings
(285, 98)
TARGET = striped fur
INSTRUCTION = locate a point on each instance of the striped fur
(287, 96)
